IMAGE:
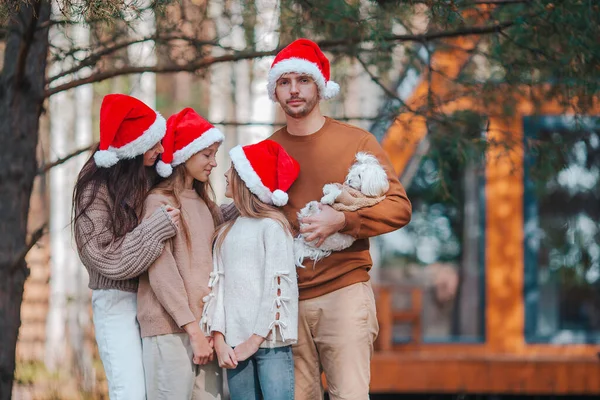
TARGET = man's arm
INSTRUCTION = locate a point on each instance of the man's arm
(390, 214)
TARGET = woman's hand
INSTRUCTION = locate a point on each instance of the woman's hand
(225, 354)
(174, 214)
(203, 351)
(247, 348)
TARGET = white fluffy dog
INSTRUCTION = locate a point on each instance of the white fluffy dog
(365, 186)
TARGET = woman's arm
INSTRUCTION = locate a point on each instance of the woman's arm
(125, 257)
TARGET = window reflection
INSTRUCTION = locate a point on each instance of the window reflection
(440, 252)
(562, 234)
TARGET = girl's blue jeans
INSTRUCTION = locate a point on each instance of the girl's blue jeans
(268, 375)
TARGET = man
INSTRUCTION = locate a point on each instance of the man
(337, 320)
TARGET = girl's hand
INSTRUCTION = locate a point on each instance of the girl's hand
(247, 348)
(203, 351)
(226, 355)
(174, 214)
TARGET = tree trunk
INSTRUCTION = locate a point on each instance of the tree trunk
(21, 102)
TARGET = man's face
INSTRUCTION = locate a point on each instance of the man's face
(297, 94)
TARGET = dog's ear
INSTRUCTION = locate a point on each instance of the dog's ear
(374, 181)
(366, 158)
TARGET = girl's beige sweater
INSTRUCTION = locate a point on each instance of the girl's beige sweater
(171, 291)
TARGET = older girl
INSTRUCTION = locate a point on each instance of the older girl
(178, 358)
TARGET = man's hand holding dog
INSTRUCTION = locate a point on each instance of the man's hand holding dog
(322, 225)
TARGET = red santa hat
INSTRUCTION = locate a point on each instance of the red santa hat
(187, 134)
(266, 169)
(128, 128)
(303, 56)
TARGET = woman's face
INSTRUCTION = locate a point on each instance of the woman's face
(151, 155)
(200, 165)
(228, 190)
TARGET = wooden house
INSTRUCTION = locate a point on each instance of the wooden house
(525, 305)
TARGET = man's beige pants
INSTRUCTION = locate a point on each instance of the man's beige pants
(336, 332)
(171, 374)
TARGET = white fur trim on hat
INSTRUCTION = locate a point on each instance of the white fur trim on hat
(145, 141)
(280, 198)
(327, 90)
(249, 175)
(165, 170)
(105, 158)
(207, 139)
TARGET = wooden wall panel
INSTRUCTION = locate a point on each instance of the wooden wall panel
(409, 373)
(504, 237)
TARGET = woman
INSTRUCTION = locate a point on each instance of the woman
(113, 243)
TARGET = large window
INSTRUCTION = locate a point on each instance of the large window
(441, 251)
(562, 231)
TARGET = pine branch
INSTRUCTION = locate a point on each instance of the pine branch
(386, 90)
(160, 69)
(92, 59)
(48, 167)
(251, 54)
(500, 2)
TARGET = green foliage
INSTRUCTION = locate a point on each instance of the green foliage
(549, 45)
(540, 43)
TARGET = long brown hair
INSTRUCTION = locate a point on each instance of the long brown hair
(127, 184)
(175, 184)
(249, 206)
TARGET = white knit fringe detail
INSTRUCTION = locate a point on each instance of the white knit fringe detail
(280, 306)
(209, 300)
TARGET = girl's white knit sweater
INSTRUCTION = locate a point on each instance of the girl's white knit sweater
(254, 287)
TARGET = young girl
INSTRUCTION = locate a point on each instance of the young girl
(252, 309)
(114, 244)
(178, 358)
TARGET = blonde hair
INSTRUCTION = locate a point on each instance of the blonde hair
(175, 184)
(249, 206)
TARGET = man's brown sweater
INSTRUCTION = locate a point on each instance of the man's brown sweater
(325, 157)
(171, 291)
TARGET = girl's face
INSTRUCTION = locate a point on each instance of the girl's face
(151, 155)
(200, 165)
(228, 190)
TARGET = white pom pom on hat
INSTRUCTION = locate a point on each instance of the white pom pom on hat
(280, 198)
(105, 158)
(163, 169)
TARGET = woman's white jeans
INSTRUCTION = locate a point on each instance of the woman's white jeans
(119, 343)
